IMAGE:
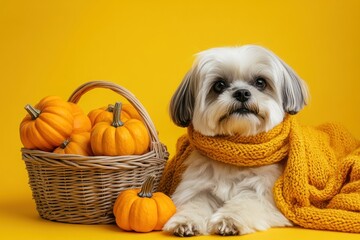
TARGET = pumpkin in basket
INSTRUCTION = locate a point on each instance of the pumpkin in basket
(141, 210)
(105, 114)
(81, 120)
(77, 143)
(128, 110)
(47, 124)
(119, 137)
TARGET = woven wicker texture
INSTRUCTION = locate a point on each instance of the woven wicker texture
(82, 189)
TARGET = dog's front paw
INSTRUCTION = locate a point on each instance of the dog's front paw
(225, 227)
(186, 230)
(184, 226)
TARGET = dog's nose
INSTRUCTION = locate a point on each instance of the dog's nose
(242, 95)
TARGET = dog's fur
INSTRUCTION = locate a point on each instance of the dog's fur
(241, 90)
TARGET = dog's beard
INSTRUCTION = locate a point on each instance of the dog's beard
(242, 110)
(246, 119)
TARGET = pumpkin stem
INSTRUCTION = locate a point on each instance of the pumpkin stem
(147, 187)
(33, 112)
(110, 108)
(116, 115)
(65, 143)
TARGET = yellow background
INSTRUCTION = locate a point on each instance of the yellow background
(52, 47)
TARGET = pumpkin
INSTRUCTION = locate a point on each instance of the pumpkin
(130, 111)
(47, 124)
(77, 143)
(105, 114)
(119, 137)
(81, 120)
(141, 210)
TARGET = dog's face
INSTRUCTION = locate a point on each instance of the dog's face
(244, 90)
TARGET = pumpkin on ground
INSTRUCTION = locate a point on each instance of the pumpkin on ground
(47, 124)
(120, 137)
(141, 210)
(81, 120)
(77, 143)
(105, 114)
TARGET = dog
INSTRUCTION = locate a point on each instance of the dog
(243, 90)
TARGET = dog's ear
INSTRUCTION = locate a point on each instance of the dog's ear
(294, 90)
(182, 102)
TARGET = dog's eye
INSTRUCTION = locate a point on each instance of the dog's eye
(219, 86)
(260, 83)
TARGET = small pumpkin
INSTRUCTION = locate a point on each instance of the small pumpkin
(119, 137)
(81, 120)
(130, 111)
(47, 124)
(141, 210)
(105, 114)
(77, 143)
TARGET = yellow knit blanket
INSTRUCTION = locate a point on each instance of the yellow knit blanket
(320, 186)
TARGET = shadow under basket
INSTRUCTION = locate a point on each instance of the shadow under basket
(83, 189)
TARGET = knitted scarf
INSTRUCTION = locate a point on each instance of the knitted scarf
(320, 185)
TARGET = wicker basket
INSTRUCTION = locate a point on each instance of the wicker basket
(81, 189)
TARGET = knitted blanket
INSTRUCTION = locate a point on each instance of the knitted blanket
(320, 185)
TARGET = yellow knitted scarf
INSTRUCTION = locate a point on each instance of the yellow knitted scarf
(320, 186)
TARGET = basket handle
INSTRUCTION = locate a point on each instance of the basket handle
(81, 90)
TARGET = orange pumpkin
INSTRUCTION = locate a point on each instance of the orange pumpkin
(47, 124)
(141, 210)
(81, 120)
(78, 143)
(130, 112)
(119, 137)
(105, 114)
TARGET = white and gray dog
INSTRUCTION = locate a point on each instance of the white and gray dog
(233, 90)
